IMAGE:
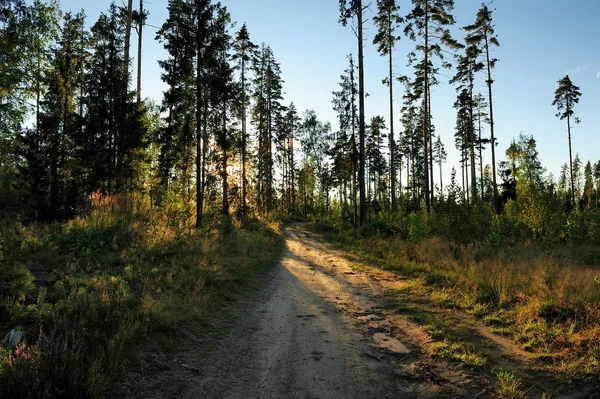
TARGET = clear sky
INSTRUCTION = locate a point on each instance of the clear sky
(540, 42)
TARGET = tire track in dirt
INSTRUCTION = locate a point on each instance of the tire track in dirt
(322, 330)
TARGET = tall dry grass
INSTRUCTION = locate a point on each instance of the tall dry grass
(90, 293)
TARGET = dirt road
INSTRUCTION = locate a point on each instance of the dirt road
(324, 330)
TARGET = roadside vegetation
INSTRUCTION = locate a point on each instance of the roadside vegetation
(89, 294)
(534, 281)
(189, 187)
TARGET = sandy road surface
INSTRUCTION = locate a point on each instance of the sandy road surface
(321, 330)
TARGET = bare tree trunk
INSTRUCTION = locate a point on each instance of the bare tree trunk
(441, 182)
(361, 116)
(472, 141)
(128, 39)
(431, 181)
(244, 208)
(139, 61)
(426, 109)
(493, 140)
(392, 147)
(571, 161)
(224, 173)
(200, 125)
(480, 158)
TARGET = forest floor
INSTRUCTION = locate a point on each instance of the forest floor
(328, 325)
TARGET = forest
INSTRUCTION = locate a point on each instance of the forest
(129, 223)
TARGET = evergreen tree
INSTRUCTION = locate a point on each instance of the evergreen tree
(565, 98)
(345, 155)
(376, 165)
(388, 21)
(245, 55)
(482, 35)
(576, 179)
(13, 108)
(223, 91)
(139, 17)
(440, 156)
(588, 186)
(463, 137)
(466, 68)
(350, 10)
(315, 146)
(430, 20)
(267, 97)
(206, 51)
(597, 178)
(59, 121)
(179, 102)
(481, 116)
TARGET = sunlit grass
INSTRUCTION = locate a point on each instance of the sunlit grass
(106, 284)
(546, 301)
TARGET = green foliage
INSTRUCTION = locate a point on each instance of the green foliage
(107, 283)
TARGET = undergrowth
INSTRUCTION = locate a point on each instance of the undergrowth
(89, 293)
(544, 293)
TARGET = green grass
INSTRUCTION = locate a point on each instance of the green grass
(92, 293)
(548, 301)
(509, 386)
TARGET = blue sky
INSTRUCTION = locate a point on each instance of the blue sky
(540, 42)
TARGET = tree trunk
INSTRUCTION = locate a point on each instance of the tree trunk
(571, 161)
(480, 157)
(431, 181)
(392, 147)
(139, 66)
(224, 174)
(128, 40)
(200, 125)
(244, 210)
(441, 182)
(472, 142)
(361, 116)
(493, 140)
(426, 108)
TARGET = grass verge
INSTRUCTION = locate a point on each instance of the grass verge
(93, 293)
(546, 302)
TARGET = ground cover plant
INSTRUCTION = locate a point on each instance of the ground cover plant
(88, 294)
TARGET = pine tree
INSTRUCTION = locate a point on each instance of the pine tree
(481, 116)
(223, 92)
(376, 164)
(245, 55)
(13, 108)
(345, 153)
(267, 95)
(177, 138)
(565, 98)
(59, 121)
(466, 68)
(350, 9)
(412, 138)
(597, 178)
(588, 186)
(40, 30)
(139, 17)
(440, 156)
(314, 140)
(482, 35)
(576, 179)
(128, 24)
(388, 21)
(205, 52)
(430, 19)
